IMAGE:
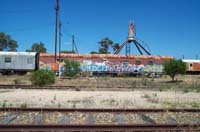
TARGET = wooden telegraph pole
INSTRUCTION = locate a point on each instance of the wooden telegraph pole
(56, 29)
(60, 34)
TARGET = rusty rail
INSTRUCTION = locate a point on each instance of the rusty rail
(20, 86)
(96, 110)
(100, 128)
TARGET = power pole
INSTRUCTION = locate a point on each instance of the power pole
(73, 42)
(183, 57)
(60, 34)
(56, 29)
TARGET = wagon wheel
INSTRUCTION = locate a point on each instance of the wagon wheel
(21, 72)
(6, 73)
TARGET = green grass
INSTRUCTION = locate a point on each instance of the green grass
(23, 105)
(167, 104)
(5, 91)
(191, 88)
(188, 83)
(195, 104)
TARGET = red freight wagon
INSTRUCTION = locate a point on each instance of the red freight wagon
(132, 59)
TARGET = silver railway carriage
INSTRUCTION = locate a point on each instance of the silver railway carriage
(18, 62)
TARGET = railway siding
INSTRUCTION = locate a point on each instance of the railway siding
(98, 116)
(54, 119)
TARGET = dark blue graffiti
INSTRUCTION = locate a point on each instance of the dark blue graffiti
(89, 66)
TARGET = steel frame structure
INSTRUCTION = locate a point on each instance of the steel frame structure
(130, 39)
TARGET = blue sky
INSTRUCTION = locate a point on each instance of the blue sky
(168, 27)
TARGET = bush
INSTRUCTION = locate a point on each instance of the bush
(174, 67)
(42, 77)
(72, 68)
(16, 81)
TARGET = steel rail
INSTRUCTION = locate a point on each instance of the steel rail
(11, 86)
(124, 128)
(95, 110)
(53, 87)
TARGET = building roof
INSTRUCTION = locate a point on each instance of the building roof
(191, 61)
(107, 56)
(18, 53)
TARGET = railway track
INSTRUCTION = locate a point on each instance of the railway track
(63, 119)
(61, 87)
(100, 128)
(7, 86)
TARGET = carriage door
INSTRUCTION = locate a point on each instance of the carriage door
(7, 62)
(30, 64)
(190, 66)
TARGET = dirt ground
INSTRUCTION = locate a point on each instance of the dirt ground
(98, 99)
(106, 92)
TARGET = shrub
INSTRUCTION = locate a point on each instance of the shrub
(42, 77)
(4, 104)
(16, 81)
(72, 68)
(24, 105)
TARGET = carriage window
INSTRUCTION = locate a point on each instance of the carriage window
(137, 62)
(125, 62)
(30, 60)
(104, 60)
(7, 59)
(60, 60)
(190, 65)
(150, 63)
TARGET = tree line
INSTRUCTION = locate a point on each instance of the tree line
(9, 44)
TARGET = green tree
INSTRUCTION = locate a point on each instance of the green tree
(72, 68)
(104, 45)
(42, 77)
(6, 43)
(37, 47)
(174, 67)
(115, 47)
(94, 52)
(67, 51)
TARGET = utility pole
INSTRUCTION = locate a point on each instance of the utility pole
(60, 34)
(56, 29)
(73, 42)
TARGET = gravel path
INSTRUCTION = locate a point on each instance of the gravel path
(98, 99)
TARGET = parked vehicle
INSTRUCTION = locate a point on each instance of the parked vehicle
(18, 62)
(193, 66)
